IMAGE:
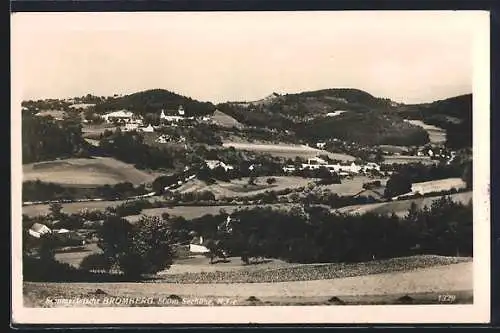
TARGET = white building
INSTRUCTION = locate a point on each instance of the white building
(163, 139)
(148, 129)
(180, 111)
(321, 145)
(37, 230)
(212, 164)
(130, 127)
(123, 115)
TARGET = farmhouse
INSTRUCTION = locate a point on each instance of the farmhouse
(130, 127)
(37, 230)
(56, 114)
(196, 246)
(148, 129)
(122, 115)
(320, 145)
(212, 164)
(335, 113)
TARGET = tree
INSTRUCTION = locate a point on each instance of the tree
(271, 180)
(142, 248)
(398, 184)
(467, 175)
(55, 210)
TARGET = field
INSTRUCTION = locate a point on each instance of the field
(241, 188)
(223, 120)
(73, 207)
(352, 186)
(235, 188)
(423, 284)
(400, 159)
(436, 135)
(286, 150)
(93, 131)
(86, 172)
(192, 212)
(438, 185)
(401, 207)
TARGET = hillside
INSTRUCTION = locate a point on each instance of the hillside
(223, 120)
(452, 114)
(367, 128)
(152, 101)
(309, 115)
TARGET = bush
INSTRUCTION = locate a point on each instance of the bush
(271, 180)
(96, 261)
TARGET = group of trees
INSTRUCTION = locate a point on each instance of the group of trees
(401, 181)
(44, 138)
(316, 235)
(129, 147)
(42, 191)
(134, 249)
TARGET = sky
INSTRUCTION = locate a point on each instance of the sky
(409, 57)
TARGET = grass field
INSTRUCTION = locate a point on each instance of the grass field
(400, 159)
(352, 186)
(86, 171)
(222, 119)
(192, 212)
(438, 185)
(241, 188)
(286, 150)
(74, 207)
(401, 207)
(384, 288)
(436, 135)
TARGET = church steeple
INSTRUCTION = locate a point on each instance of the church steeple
(162, 115)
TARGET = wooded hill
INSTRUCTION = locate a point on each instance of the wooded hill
(453, 114)
(366, 119)
(153, 101)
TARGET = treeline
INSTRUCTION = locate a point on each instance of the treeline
(43, 138)
(44, 191)
(422, 173)
(317, 235)
(129, 147)
(309, 235)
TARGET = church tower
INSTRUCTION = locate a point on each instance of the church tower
(181, 110)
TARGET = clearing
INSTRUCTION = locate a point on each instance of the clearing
(437, 135)
(401, 207)
(221, 119)
(438, 185)
(401, 159)
(86, 172)
(287, 150)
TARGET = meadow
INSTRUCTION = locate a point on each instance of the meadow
(287, 150)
